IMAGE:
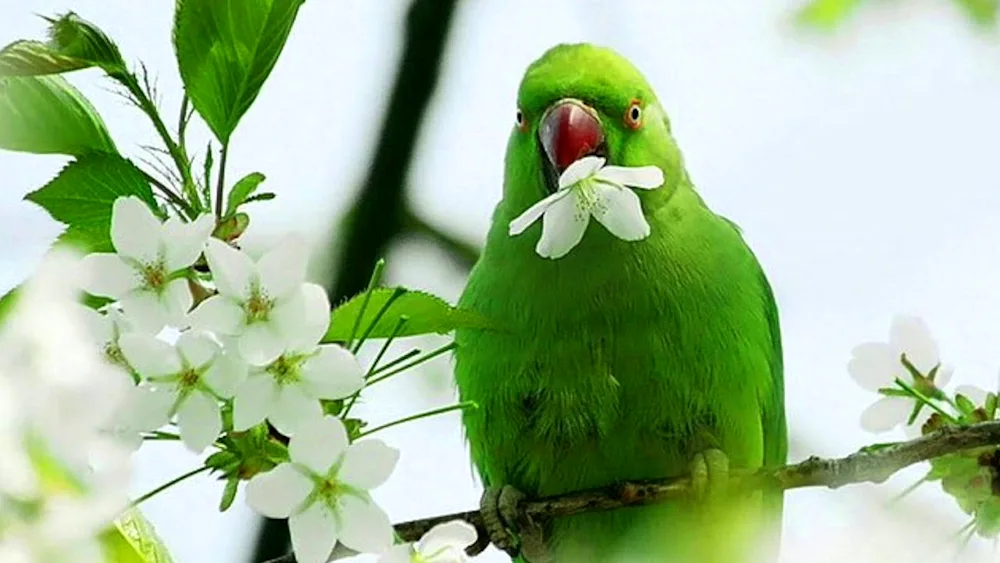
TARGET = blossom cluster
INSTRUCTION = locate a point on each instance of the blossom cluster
(62, 475)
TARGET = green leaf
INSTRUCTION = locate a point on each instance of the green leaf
(225, 51)
(981, 12)
(83, 193)
(229, 494)
(47, 115)
(133, 540)
(242, 190)
(74, 43)
(826, 14)
(426, 314)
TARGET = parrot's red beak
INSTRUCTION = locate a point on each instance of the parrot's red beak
(570, 130)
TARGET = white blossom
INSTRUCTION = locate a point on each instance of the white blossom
(186, 380)
(877, 365)
(287, 391)
(444, 543)
(323, 491)
(260, 303)
(145, 274)
(588, 189)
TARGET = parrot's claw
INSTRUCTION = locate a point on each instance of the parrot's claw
(509, 528)
(499, 508)
(710, 474)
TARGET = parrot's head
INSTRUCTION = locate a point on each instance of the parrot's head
(580, 100)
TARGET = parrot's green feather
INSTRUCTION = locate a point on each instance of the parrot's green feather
(622, 360)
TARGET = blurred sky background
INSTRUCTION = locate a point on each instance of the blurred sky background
(862, 166)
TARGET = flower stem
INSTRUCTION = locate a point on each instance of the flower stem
(158, 435)
(378, 316)
(167, 485)
(459, 406)
(385, 347)
(372, 282)
(393, 363)
(906, 491)
(221, 186)
(923, 399)
(426, 357)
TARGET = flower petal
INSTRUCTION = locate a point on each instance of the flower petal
(197, 348)
(292, 409)
(219, 314)
(319, 444)
(283, 268)
(875, 365)
(253, 401)
(620, 212)
(177, 302)
(147, 408)
(333, 373)
(911, 336)
(199, 422)
(644, 177)
(135, 231)
(260, 344)
(232, 270)
(454, 534)
(108, 275)
(227, 373)
(579, 170)
(530, 215)
(886, 413)
(563, 226)
(149, 356)
(146, 311)
(278, 492)
(303, 320)
(100, 327)
(314, 534)
(402, 553)
(367, 464)
(184, 242)
(366, 527)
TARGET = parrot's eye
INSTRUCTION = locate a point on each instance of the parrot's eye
(633, 115)
(519, 120)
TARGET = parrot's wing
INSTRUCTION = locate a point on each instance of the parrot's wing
(773, 416)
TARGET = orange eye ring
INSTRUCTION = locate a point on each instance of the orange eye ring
(520, 121)
(633, 115)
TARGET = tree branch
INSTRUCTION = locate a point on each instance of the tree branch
(461, 252)
(867, 465)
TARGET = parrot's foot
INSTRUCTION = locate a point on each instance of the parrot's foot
(710, 474)
(499, 509)
(509, 529)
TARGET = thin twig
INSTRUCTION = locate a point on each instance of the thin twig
(864, 466)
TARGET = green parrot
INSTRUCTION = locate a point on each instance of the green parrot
(624, 359)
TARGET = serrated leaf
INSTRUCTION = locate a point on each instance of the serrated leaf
(826, 14)
(83, 193)
(74, 43)
(242, 190)
(427, 314)
(225, 51)
(133, 540)
(47, 115)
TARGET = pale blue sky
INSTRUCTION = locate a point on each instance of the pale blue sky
(862, 168)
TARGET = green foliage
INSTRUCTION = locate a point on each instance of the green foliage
(73, 44)
(133, 540)
(225, 51)
(47, 115)
(425, 313)
(83, 194)
(7, 303)
(243, 189)
(243, 455)
(982, 12)
(826, 14)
